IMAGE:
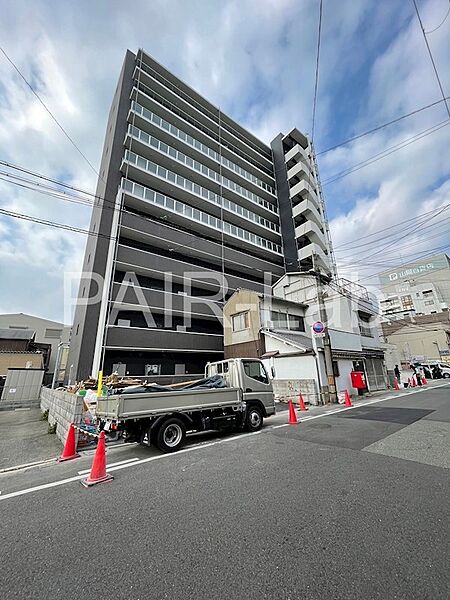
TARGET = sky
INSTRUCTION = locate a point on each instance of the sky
(256, 60)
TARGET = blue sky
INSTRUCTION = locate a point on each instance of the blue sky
(255, 60)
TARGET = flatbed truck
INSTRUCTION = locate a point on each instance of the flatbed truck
(164, 418)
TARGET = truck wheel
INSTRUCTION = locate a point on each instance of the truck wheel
(254, 418)
(171, 435)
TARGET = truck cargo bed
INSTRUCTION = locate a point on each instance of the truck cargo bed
(135, 406)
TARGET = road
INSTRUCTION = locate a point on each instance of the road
(350, 505)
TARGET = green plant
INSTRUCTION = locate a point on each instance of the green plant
(52, 428)
(44, 415)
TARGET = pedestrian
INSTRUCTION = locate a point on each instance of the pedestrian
(397, 373)
(437, 373)
(418, 375)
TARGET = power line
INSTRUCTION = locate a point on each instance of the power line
(16, 215)
(419, 225)
(382, 126)
(440, 24)
(316, 82)
(424, 228)
(380, 155)
(422, 255)
(391, 227)
(431, 56)
(49, 111)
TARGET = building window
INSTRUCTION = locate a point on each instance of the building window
(407, 303)
(279, 320)
(53, 334)
(429, 302)
(336, 368)
(77, 330)
(18, 327)
(296, 323)
(240, 321)
(427, 293)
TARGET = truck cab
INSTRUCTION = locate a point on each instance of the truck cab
(248, 374)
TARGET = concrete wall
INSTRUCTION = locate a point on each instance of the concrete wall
(63, 409)
(294, 374)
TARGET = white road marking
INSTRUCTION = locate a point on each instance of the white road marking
(121, 462)
(118, 467)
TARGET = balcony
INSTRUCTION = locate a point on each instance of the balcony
(136, 338)
(154, 265)
(168, 182)
(319, 255)
(313, 232)
(309, 210)
(297, 153)
(136, 298)
(168, 239)
(156, 149)
(304, 191)
(302, 170)
(138, 196)
(208, 152)
(177, 105)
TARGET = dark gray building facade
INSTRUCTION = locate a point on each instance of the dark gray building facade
(190, 207)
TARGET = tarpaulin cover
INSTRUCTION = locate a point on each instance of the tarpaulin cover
(208, 383)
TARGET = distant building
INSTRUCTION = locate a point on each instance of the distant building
(425, 337)
(24, 333)
(18, 350)
(415, 289)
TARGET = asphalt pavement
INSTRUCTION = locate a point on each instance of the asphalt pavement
(24, 438)
(350, 505)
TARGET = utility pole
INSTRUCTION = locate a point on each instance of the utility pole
(329, 391)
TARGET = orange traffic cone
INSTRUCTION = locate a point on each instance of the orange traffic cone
(347, 400)
(409, 382)
(70, 447)
(302, 403)
(98, 472)
(413, 381)
(424, 380)
(292, 415)
(396, 386)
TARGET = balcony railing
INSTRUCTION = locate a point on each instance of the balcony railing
(197, 190)
(194, 214)
(199, 167)
(206, 150)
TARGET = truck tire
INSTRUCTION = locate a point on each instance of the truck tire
(171, 435)
(254, 418)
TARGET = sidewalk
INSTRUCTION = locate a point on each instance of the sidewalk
(24, 438)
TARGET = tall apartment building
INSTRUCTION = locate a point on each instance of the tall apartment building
(191, 207)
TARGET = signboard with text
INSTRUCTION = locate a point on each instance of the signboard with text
(414, 269)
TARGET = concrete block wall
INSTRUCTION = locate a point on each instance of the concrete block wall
(63, 409)
(289, 389)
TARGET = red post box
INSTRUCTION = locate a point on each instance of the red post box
(358, 380)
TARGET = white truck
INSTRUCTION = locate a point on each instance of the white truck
(163, 418)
